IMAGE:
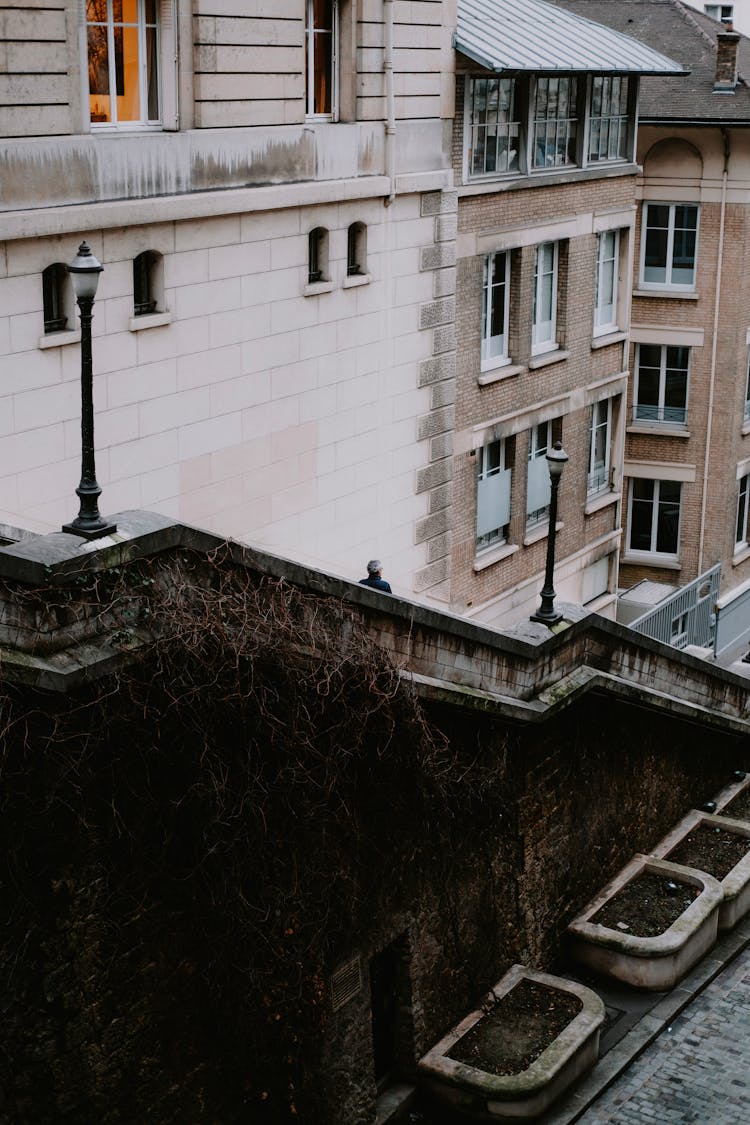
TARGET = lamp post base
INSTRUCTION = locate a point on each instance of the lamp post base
(546, 618)
(90, 530)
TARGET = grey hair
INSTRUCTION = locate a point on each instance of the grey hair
(374, 565)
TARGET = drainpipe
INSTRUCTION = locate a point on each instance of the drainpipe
(714, 344)
(390, 107)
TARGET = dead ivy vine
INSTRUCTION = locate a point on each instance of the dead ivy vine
(189, 844)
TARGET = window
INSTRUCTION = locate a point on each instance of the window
(543, 327)
(555, 120)
(493, 494)
(493, 125)
(747, 390)
(146, 282)
(661, 384)
(723, 12)
(56, 297)
(669, 245)
(600, 443)
(321, 59)
(608, 119)
(123, 53)
(605, 287)
(595, 580)
(356, 250)
(538, 483)
(317, 255)
(654, 516)
(741, 536)
(495, 302)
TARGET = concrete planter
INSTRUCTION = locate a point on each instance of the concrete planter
(735, 885)
(655, 963)
(525, 1095)
(728, 794)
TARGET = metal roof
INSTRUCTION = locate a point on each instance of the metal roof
(532, 35)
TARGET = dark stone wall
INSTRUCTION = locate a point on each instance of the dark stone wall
(124, 971)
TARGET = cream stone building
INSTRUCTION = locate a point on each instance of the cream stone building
(544, 159)
(266, 183)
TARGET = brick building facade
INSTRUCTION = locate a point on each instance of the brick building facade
(687, 452)
(543, 152)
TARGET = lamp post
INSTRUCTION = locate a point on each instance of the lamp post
(84, 273)
(556, 459)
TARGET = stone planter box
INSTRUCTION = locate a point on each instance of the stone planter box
(655, 963)
(735, 885)
(525, 1095)
(728, 794)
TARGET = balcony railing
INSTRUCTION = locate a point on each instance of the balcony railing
(660, 415)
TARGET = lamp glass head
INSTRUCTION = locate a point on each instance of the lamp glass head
(556, 459)
(84, 273)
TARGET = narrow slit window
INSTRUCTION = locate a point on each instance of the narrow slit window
(317, 255)
(356, 250)
(145, 283)
(54, 282)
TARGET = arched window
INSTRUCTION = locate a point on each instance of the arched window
(317, 255)
(147, 284)
(356, 250)
(57, 297)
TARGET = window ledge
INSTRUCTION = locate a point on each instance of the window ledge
(600, 602)
(498, 373)
(512, 181)
(657, 430)
(540, 532)
(608, 338)
(316, 287)
(664, 562)
(351, 281)
(742, 555)
(546, 358)
(745, 425)
(668, 294)
(489, 558)
(149, 320)
(596, 503)
(59, 339)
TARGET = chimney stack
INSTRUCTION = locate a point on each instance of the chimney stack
(726, 62)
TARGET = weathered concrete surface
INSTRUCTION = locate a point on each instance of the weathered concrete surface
(527, 674)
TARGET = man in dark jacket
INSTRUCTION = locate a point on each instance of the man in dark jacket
(375, 577)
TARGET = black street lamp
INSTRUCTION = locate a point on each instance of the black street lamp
(556, 459)
(84, 273)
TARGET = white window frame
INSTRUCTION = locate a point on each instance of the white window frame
(310, 33)
(641, 410)
(559, 133)
(165, 92)
(717, 12)
(494, 493)
(741, 538)
(609, 123)
(605, 298)
(747, 390)
(652, 552)
(544, 332)
(598, 475)
(510, 130)
(669, 283)
(537, 475)
(495, 351)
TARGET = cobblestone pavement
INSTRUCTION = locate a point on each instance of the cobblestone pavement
(697, 1072)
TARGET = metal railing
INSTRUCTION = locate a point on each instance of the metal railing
(687, 617)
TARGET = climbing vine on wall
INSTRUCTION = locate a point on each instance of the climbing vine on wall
(189, 843)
